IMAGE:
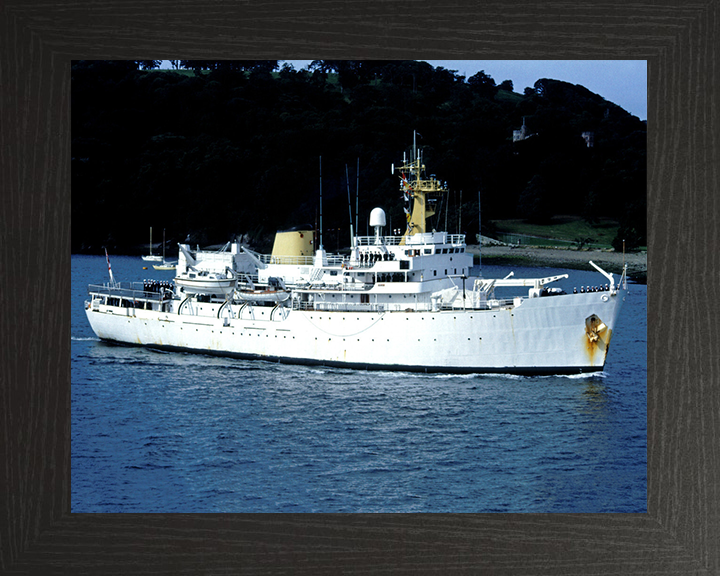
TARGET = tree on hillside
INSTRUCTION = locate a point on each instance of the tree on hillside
(261, 65)
(483, 85)
(149, 64)
(533, 203)
(325, 66)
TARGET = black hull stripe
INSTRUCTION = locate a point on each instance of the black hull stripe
(515, 370)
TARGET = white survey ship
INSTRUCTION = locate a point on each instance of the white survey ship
(410, 302)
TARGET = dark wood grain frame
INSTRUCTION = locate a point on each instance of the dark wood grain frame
(681, 531)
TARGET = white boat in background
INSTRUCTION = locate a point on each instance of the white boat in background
(410, 302)
(167, 266)
(152, 257)
(164, 265)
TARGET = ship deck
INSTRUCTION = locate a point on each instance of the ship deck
(130, 291)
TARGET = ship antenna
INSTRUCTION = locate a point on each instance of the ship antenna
(321, 227)
(446, 203)
(479, 232)
(357, 194)
(352, 235)
(460, 215)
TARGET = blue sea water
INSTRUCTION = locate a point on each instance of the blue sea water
(172, 432)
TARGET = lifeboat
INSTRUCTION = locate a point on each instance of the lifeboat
(274, 296)
(204, 282)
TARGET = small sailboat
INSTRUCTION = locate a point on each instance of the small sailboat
(165, 265)
(152, 257)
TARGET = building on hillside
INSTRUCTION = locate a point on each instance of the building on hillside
(522, 134)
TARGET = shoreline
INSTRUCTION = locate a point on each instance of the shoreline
(536, 257)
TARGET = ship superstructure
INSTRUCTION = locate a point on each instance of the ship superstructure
(405, 302)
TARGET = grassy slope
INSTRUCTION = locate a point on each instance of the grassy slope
(566, 228)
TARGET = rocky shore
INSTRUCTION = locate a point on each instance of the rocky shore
(532, 256)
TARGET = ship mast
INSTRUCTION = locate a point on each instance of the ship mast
(321, 225)
(421, 190)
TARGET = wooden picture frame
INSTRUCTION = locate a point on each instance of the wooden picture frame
(678, 535)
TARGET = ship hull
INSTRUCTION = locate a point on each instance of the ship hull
(541, 336)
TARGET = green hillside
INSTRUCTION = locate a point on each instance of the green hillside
(571, 231)
(221, 149)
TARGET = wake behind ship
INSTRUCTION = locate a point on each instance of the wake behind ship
(410, 302)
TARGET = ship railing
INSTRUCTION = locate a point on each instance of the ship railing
(354, 287)
(344, 287)
(336, 260)
(483, 305)
(127, 291)
(292, 260)
(428, 238)
(471, 302)
(221, 257)
(321, 306)
(402, 307)
(386, 240)
(348, 307)
(339, 307)
(331, 259)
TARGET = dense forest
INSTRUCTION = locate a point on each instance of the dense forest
(211, 150)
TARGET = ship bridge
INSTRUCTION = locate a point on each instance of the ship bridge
(427, 254)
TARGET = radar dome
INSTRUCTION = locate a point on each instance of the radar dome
(377, 217)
